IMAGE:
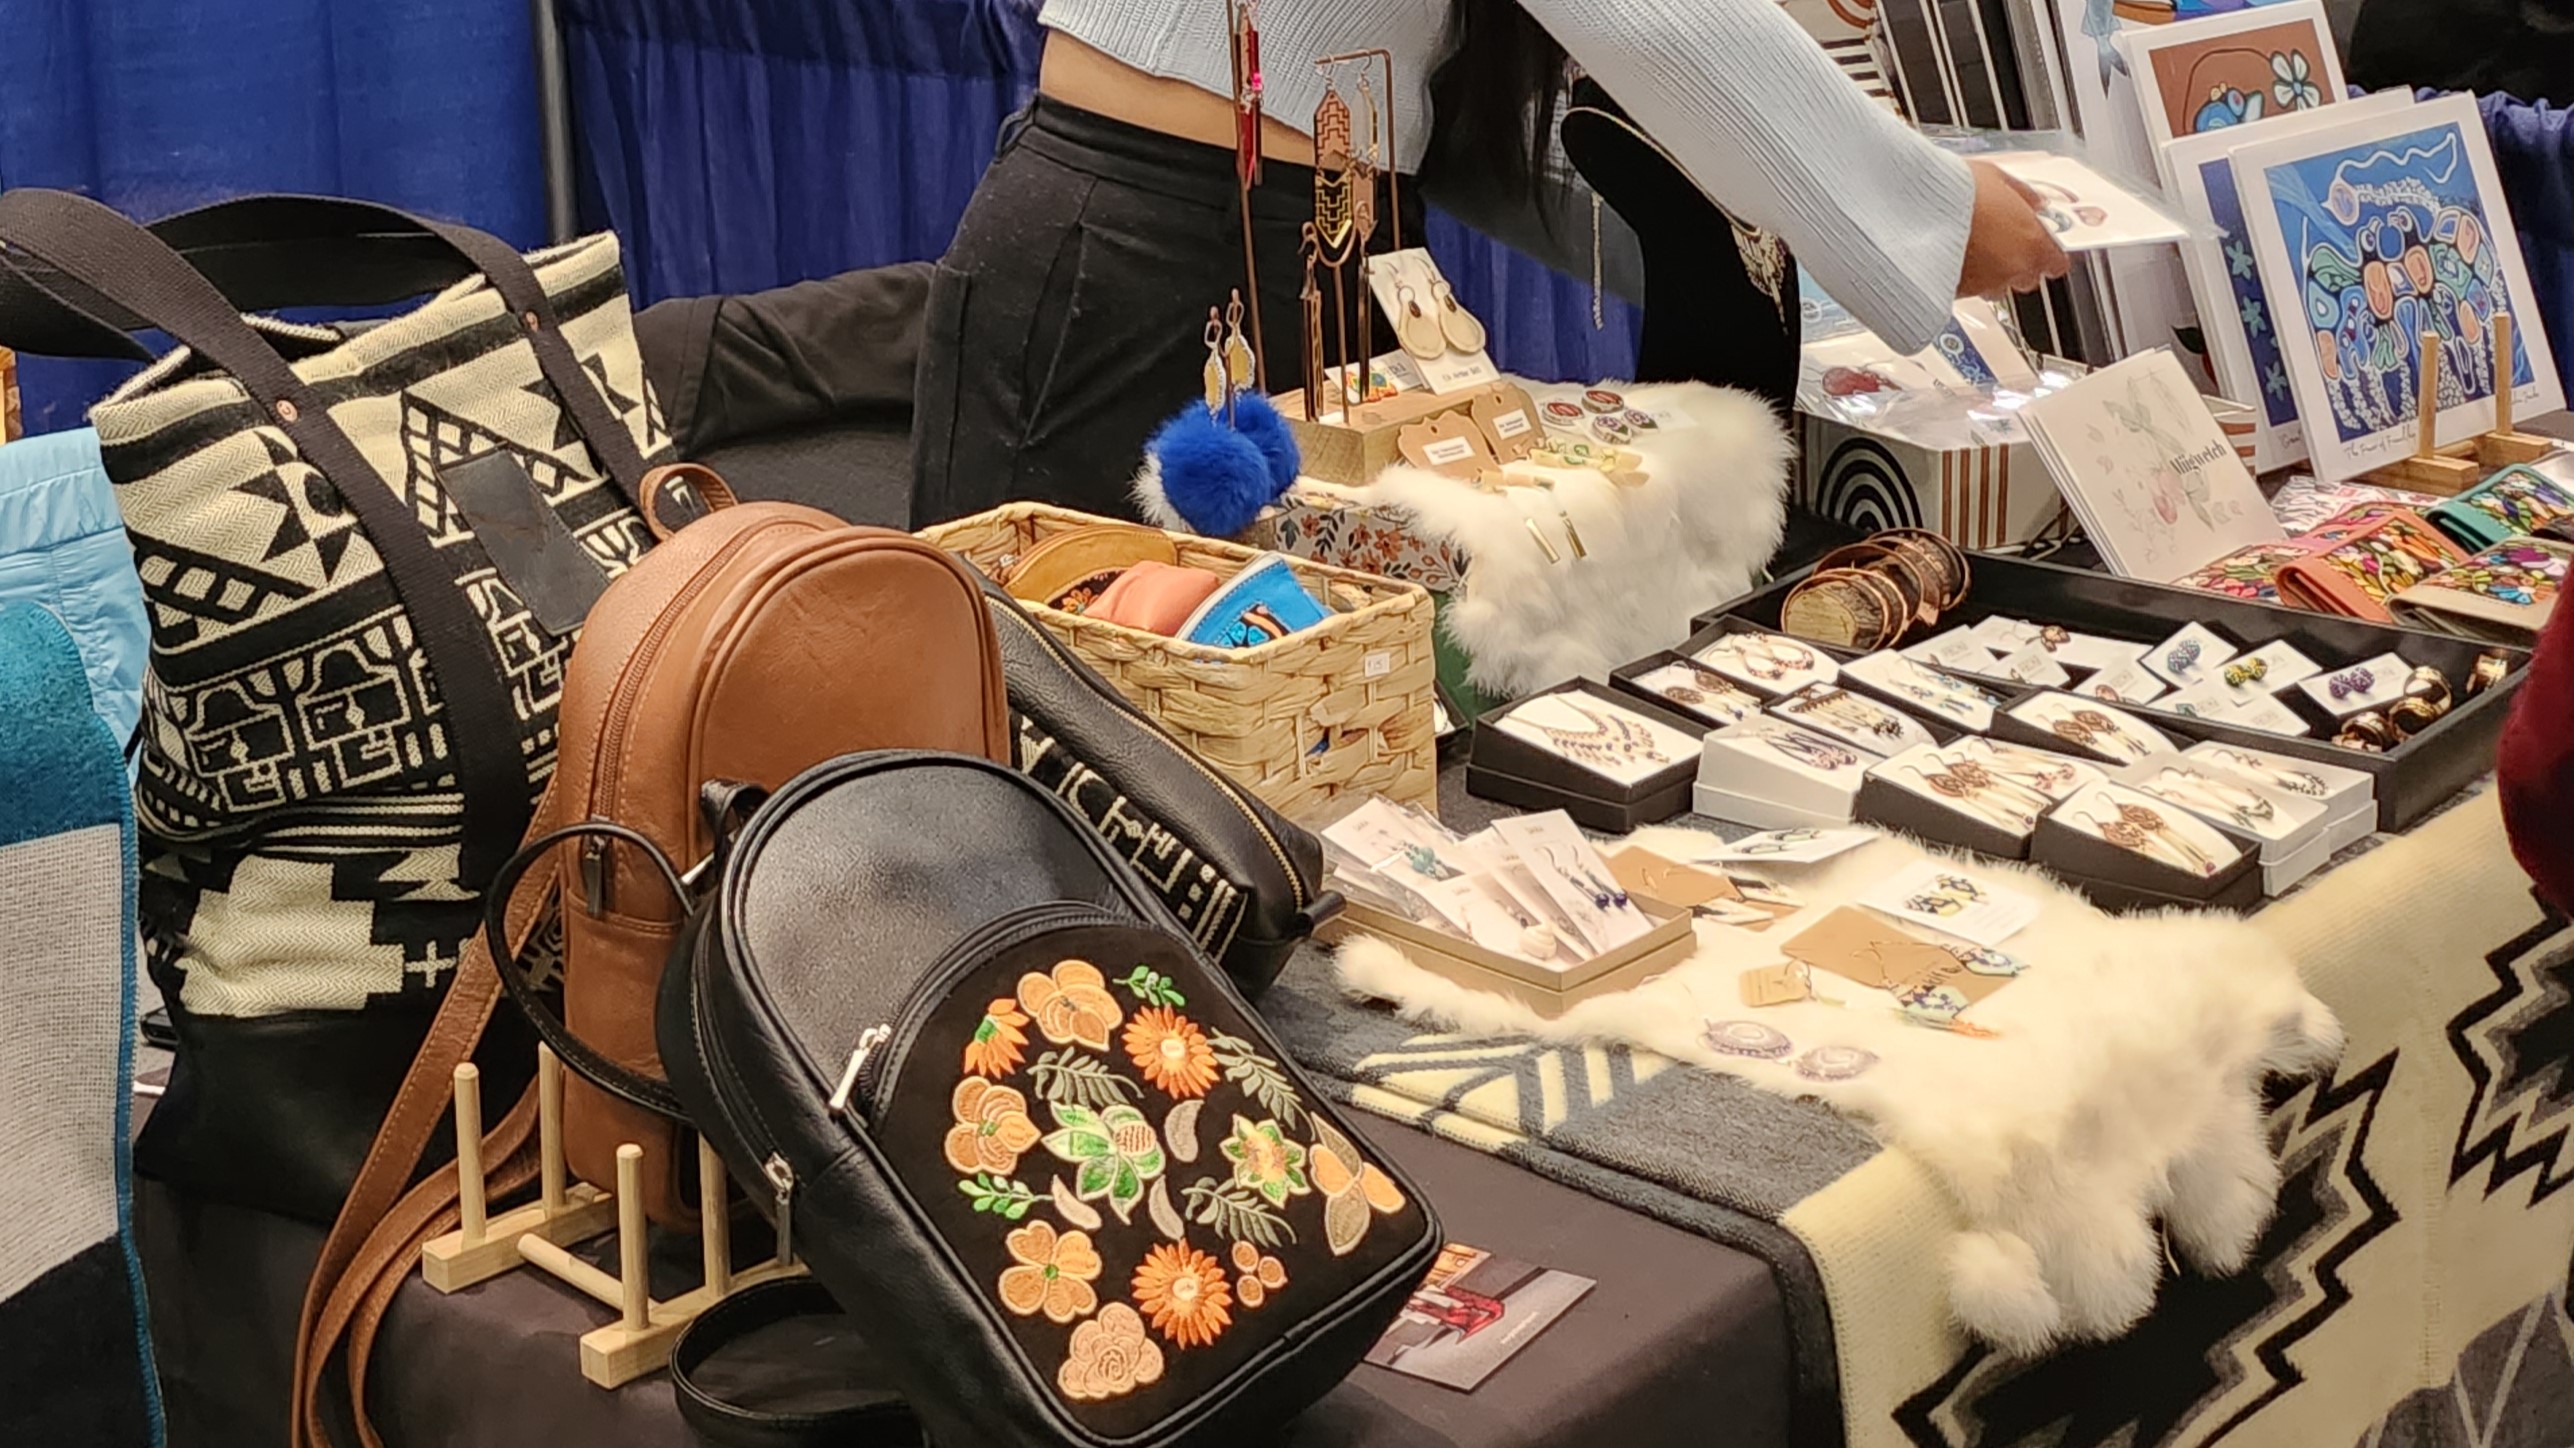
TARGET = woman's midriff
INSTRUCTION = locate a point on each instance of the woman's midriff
(1100, 83)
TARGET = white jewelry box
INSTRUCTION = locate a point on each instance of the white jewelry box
(2349, 797)
(2293, 830)
(1774, 775)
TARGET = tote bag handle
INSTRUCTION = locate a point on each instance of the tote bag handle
(271, 251)
(114, 259)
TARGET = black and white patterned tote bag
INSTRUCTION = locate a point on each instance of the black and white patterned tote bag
(364, 569)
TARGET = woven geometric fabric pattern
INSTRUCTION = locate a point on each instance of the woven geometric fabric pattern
(298, 799)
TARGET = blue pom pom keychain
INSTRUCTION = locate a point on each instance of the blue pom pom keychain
(1215, 465)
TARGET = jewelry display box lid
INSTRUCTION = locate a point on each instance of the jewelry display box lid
(1507, 769)
(2295, 825)
(2120, 879)
(1747, 779)
(1550, 993)
(2349, 796)
(2411, 780)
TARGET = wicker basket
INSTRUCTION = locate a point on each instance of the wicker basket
(1339, 709)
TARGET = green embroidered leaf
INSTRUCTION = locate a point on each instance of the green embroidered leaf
(1080, 1145)
(998, 1195)
(1073, 1115)
(1069, 1078)
(1126, 1190)
(1094, 1178)
(1237, 1212)
(1153, 988)
(1257, 1075)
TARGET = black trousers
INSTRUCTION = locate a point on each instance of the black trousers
(1068, 319)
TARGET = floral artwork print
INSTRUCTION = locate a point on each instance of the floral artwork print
(1265, 1161)
(996, 1046)
(1171, 1051)
(992, 1127)
(1071, 1005)
(1114, 1152)
(1110, 1357)
(1052, 1274)
(1185, 1294)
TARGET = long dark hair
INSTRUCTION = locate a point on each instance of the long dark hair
(1497, 93)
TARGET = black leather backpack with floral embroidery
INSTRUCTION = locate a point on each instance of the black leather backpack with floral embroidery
(1061, 1177)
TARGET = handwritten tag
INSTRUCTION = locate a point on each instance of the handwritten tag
(1774, 985)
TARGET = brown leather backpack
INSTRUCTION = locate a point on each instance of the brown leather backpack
(751, 645)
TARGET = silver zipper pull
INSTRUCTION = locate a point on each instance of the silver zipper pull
(868, 1040)
(594, 876)
(782, 1185)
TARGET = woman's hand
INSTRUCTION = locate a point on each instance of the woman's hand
(2007, 246)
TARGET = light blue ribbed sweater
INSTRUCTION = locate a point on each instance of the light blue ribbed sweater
(1747, 101)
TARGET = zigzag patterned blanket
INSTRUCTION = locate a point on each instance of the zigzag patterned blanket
(2413, 1277)
(78, 1365)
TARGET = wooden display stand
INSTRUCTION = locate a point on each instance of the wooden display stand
(2450, 470)
(10, 421)
(539, 1234)
(1353, 447)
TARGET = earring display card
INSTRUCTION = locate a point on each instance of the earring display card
(1599, 736)
(2219, 703)
(2162, 837)
(2031, 665)
(2265, 671)
(1853, 719)
(1693, 689)
(2003, 636)
(1940, 695)
(2087, 653)
(2348, 796)
(1948, 798)
(1575, 877)
(1953, 901)
(2285, 823)
(2054, 775)
(1782, 847)
(1410, 290)
(1770, 664)
(2193, 656)
(2093, 729)
(2373, 685)
(1956, 649)
(1770, 774)
(2129, 683)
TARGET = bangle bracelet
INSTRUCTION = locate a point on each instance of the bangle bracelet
(2370, 733)
(2430, 686)
(2490, 669)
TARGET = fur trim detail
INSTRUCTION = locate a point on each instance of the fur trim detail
(1697, 532)
(2124, 1088)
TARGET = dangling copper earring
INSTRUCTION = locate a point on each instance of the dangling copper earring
(1213, 376)
(1312, 297)
(1458, 325)
(1418, 329)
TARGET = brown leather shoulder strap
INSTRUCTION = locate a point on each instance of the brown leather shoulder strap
(332, 1295)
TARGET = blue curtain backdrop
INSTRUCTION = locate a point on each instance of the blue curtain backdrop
(737, 146)
(153, 106)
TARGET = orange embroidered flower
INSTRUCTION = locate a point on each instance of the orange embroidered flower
(996, 1046)
(1053, 1274)
(1110, 1357)
(1171, 1052)
(1183, 1290)
(1352, 1187)
(992, 1127)
(1072, 1006)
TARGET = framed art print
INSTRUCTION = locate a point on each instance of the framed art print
(2229, 71)
(2238, 316)
(2384, 228)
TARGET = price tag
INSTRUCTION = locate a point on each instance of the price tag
(1448, 452)
(1379, 664)
(1510, 424)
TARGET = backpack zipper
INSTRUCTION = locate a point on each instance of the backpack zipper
(782, 1197)
(1233, 791)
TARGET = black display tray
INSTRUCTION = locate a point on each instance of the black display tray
(2412, 780)
(1510, 770)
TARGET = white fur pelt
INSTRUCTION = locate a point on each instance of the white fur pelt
(2124, 1088)
(1709, 515)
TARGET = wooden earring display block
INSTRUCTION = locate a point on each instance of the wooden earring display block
(540, 1234)
(2451, 470)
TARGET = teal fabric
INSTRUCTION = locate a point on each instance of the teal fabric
(62, 546)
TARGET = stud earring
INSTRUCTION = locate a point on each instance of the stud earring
(1458, 325)
(1418, 330)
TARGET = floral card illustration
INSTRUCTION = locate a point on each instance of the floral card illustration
(2085, 209)
(2148, 470)
(2228, 71)
(2241, 319)
(2386, 228)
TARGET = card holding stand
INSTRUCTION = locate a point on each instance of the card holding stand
(1713, 707)
(2123, 881)
(1931, 818)
(2017, 726)
(1748, 780)
(1508, 769)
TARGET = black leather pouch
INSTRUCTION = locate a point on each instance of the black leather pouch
(1063, 1179)
(1244, 882)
